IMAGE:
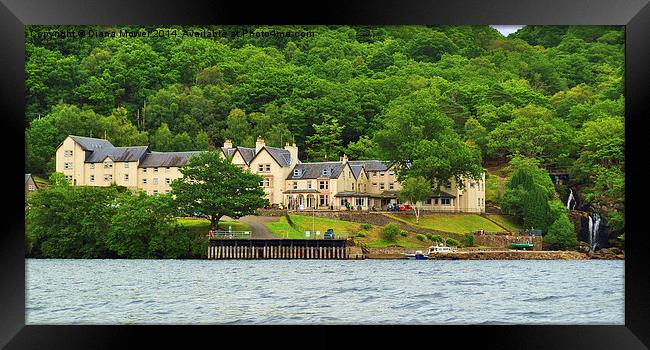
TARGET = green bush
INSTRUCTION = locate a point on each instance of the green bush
(452, 242)
(390, 232)
(366, 226)
(420, 237)
(468, 239)
(434, 238)
(403, 233)
(360, 234)
(560, 234)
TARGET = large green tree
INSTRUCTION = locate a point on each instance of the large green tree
(415, 190)
(213, 186)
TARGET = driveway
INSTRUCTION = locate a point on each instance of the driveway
(257, 224)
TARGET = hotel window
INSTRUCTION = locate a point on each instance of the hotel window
(445, 201)
(381, 186)
(168, 180)
(472, 185)
(435, 201)
(144, 170)
(126, 165)
(155, 180)
(323, 200)
(479, 202)
(266, 182)
(267, 167)
(126, 177)
(166, 191)
(155, 170)
(392, 173)
(108, 165)
(92, 165)
(381, 173)
(374, 184)
(296, 173)
(295, 185)
(155, 191)
(92, 178)
(68, 177)
(360, 201)
(326, 172)
(167, 169)
(324, 185)
(309, 184)
(108, 177)
(67, 166)
(68, 153)
(391, 186)
(31, 188)
(144, 181)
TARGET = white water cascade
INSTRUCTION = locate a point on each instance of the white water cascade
(568, 202)
(594, 227)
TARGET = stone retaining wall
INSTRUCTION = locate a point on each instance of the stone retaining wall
(503, 241)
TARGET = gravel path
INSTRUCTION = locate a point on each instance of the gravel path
(259, 229)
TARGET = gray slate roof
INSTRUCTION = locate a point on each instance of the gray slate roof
(117, 154)
(247, 153)
(315, 170)
(91, 144)
(282, 156)
(228, 151)
(165, 159)
(356, 169)
(27, 176)
(371, 165)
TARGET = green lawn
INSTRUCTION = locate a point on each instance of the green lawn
(373, 238)
(507, 221)
(303, 223)
(456, 223)
(203, 225)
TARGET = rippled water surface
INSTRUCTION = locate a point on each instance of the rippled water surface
(329, 292)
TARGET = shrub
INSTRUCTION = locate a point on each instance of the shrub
(468, 239)
(435, 238)
(560, 234)
(390, 231)
(360, 234)
(366, 226)
(452, 242)
(420, 237)
(403, 233)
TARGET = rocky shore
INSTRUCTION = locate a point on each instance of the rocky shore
(397, 253)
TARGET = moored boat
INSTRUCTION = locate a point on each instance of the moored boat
(417, 256)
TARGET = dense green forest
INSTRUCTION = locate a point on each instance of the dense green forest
(553, 93)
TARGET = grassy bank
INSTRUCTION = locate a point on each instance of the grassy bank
(456, 223)
(509, 222)
(196, 225)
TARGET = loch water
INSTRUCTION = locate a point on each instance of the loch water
(67, 291)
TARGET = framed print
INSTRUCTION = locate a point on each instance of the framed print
(414, 171)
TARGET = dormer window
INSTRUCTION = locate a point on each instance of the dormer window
(327, 172)
(108, 165)
(296, 172)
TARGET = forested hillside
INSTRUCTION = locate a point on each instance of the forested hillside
(545, 92)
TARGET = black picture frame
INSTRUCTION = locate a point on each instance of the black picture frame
(634, 15)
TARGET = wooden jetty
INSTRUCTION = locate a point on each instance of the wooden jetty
(278, 249)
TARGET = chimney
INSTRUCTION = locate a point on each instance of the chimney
(259, 144)
(227, 143)
(344, 159)
(293, 151)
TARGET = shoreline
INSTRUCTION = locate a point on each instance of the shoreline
(501, 255)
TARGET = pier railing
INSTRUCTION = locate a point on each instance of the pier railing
(232, 235)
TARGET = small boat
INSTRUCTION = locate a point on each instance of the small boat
(523, 246)
(417, 256)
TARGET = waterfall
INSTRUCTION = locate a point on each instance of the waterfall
(594, 228)
(568, 202)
